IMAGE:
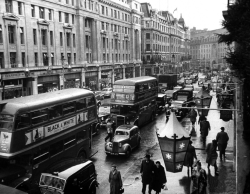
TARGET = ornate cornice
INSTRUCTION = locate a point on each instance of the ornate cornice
(43, 22)
(10, 16)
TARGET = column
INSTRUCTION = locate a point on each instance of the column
(61, 81)
(134, 71)
(34, 86)
(123, 72)
(80, 39)
(99, 77)
(113, 76)
(83, 81)
(94, 38)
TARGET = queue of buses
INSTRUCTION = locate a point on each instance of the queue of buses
(50, 132)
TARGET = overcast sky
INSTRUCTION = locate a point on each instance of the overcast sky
(196, 13)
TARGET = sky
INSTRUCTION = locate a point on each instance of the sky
(196, 13)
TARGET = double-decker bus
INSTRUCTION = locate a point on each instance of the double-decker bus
(44, 133)
(133, 101)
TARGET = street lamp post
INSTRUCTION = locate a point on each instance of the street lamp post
(63, 60)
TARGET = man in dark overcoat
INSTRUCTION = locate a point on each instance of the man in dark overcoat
(147, 172)
(204, 128)
(222, 139)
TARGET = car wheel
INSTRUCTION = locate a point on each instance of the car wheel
(128, 152)
(92, 190)
(81, 156)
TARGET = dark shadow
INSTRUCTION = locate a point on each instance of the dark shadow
(185, 183)
(217, 183)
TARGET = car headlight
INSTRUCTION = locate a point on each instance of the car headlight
(102, 118)
(120, 145)
(110, 145)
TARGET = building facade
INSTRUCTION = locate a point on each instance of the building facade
(165, 41)
(205, 49)
(48, 45)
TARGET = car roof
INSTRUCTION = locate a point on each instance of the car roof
(126, 127)
(161, 95)
(72, 170)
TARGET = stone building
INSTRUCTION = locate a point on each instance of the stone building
(48, 45)
(205, 49)
(165, 41)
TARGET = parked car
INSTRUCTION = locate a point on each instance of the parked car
(81, 178)
(126, 138)
(107, 92)
(103, 114)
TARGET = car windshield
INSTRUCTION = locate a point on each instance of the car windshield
(6, 122)
(51, 181)
(121, 133)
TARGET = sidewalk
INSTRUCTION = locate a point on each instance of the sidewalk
(179, 183)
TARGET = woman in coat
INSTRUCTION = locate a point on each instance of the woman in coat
(159, 178)
(190, 156)
(115, 180)
(198, 180)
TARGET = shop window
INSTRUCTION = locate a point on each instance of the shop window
(69, 108)
(56, 148)
(55, 111)
(11, 32)
(1, 34)
(1, 60)
(44, 36)
(20, 8)
(21, 35)
(81, 104)
(9, 6)
(39, 116)
(41, 12)
(91, 101)
(22, 121)
(41, 155)
(69, 142)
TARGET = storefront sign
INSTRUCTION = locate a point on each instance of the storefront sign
(108, 67)
(15, 75)
(92, 69)
(5, 139)
(90, 74)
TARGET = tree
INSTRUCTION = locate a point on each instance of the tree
(237, 24)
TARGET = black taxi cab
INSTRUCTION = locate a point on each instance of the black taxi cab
(81, 178)
(126, 138)
(161, 101)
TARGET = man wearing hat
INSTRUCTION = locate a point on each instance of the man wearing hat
(147, 172)
(222, 139)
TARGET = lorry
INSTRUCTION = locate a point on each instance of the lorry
(166, 81)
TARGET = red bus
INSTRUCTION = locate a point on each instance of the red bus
(133, 101)
(43, 133)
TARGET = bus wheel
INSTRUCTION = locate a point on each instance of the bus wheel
(92, 190)
(82, 156)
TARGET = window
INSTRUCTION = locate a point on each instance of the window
(61, 39)
(32, 11)
(8, 6)
(1, 60)
(73, 19)
(11, 31)
(68, 108)
(74, 58)
(67, 1)
(44, 36)
(20, 10)
(39, 116)
(103, 10)
(55, 112)
(69, 58)
(21, 35)
(52, 58)
(103, 42)
(23, 59)
(50, 14)
(147, 35)
(41, 12)
(73, 2)
(36, 59)
(103, 28)
(66, 15)
(22, 121)
(81, 104)
(60, 16)
(91, 101)
(34, 37)
(68, 39)
(1, 34)
(51, 38)
(107, 13)
(74, 40)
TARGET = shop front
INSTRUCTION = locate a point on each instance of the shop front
(72, 80)
(91, 80)
(106, 78)
(15, 85)
(118, 71)
(129, 72)
(48, 83)
(137, 71)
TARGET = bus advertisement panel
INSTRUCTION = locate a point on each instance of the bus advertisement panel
(133, 101)
(43, 132)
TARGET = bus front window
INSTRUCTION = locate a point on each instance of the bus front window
(6, 122)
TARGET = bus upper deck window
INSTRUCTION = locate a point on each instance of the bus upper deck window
(91, 101)
(55, 112)
(22, 121)
(39, 116)
(81, 104)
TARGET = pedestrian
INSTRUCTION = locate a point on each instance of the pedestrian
(198, 180)
(201, 118)
(204, 128)
(192, 116)
(159, 178)
(115, 180)
(109, 130)
(222, 139)
(212, 156)
(190, 156)
(147, 171)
